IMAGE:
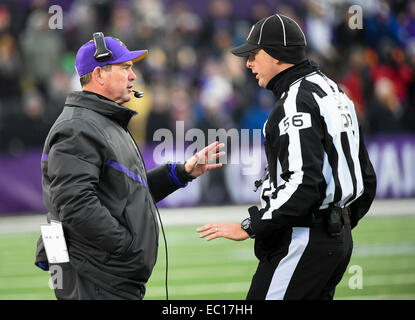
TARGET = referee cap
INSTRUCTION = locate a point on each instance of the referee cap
(281, 37)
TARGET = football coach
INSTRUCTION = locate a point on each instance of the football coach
(326, 183)
(96, 185)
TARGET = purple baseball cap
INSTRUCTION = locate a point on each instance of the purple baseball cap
(85, 61)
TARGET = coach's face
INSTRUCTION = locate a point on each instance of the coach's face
(263, 66)
(119, 82)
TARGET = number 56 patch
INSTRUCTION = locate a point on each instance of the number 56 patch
(296, 121)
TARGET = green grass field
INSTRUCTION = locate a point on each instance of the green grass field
(222, 269)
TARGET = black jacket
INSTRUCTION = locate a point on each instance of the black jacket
(95, 182)
(313, 136)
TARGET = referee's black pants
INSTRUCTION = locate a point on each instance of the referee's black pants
(307, 264)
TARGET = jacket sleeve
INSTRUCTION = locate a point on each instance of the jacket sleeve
(75, 159)
(297, 134)
(361, 205)
(166, 179)
(41, 259)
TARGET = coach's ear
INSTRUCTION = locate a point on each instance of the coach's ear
(99, 76)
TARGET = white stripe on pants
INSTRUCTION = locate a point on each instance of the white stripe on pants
(286, 267)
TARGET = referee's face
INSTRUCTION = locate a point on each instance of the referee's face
(262, 65)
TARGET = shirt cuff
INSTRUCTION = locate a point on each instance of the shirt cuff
(174, 178)
(44, 265)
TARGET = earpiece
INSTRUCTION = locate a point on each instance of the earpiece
(102, 53)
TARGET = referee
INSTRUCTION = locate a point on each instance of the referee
(326, 183)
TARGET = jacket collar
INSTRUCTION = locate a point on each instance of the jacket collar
(282, 81)
(102, 105)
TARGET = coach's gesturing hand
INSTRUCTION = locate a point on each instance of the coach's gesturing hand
(228, 230)
(199, 162)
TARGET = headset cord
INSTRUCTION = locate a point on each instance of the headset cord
(158, 213)
(165, 246)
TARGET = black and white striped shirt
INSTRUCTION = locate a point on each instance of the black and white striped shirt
(313, 134)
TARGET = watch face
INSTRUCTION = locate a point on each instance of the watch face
(246, 223)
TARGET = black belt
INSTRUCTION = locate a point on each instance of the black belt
(321, 216)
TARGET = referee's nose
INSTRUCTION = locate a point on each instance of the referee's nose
(250, 61)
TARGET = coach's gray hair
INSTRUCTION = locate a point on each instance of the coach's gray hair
(86, 78)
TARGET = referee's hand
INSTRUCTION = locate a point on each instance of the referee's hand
(228, 230)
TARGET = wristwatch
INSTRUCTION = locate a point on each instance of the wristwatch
(246, 225)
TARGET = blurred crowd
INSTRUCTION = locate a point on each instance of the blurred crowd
(189, 74)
